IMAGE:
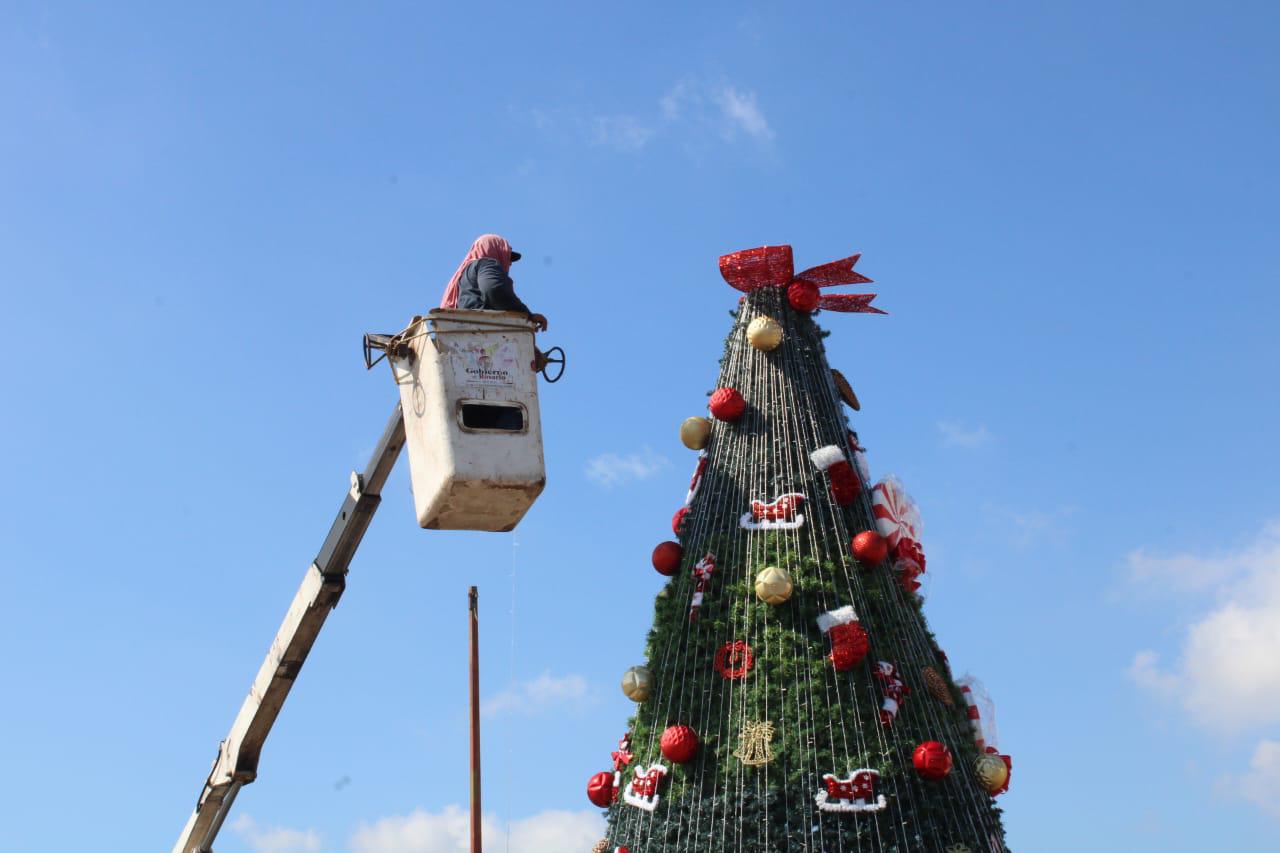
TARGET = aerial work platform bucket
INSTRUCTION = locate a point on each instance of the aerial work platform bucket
(472, 424)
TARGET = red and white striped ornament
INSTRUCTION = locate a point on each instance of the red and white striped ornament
(896, 514)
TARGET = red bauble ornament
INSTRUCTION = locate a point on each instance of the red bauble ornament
(667, 557)
(727, 404)
(932, 760)
(869, 548)
(600, 790)
(677, 520)
(803, 296)
(679, 743)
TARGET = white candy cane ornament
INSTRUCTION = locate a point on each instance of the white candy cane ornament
(702, 573)
(893, 688)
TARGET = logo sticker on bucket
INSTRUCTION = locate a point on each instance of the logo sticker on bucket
(487, 363)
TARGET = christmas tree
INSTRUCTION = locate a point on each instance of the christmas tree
(793, 698)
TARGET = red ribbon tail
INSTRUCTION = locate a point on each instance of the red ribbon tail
(850, 303)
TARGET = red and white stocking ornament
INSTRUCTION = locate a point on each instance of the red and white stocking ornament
(893, 688)
(642, 791)
(849, 642)
(702, 572)
(856, 792)
(782, 514)
(845, 486)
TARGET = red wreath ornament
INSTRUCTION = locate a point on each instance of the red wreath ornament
(734, 660)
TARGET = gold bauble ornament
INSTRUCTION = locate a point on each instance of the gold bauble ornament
(991, 771)
(695, 432)
(937, 686)
(773, 585)
(637, 683)
(764, 333)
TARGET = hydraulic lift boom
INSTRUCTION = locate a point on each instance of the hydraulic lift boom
(236, 764)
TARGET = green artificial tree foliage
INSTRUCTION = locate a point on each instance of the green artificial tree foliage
(824, 721)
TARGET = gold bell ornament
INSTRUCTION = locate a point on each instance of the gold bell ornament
(773, 585)
(637, 683)
(695, 432)
(764, 333)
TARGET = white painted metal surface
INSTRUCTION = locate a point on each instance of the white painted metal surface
(472, 424)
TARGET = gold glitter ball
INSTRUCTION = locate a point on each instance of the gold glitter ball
(695, 432)
(991, 771)
(773, 585)
(764, 333)
(637, 683)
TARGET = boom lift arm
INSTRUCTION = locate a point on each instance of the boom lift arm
(236, 764)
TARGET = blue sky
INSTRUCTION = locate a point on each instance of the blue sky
(1070, 212)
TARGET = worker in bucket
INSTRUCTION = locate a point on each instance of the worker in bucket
(482, 281)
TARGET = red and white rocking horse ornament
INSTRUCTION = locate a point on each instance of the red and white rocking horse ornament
(854, 793)
(782, 514)
(772, 266)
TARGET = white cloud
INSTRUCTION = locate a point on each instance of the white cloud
(1228, 674)
(537, 695)
(1261, 785)
(610, 469)
(741, 113)
(275, 839)
(695, 113)
(624, 132)
(448, 831)
(955, 434)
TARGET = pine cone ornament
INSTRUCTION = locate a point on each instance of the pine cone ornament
(937, 686)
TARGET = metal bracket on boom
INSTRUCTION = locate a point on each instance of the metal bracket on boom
(237, 762)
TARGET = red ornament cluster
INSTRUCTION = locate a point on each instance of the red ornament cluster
(734, 660)
(727, 404)
(869, 548)
(667, 557)
(932, 760)
(679, 743)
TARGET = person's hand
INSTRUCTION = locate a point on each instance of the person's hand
(539, 321)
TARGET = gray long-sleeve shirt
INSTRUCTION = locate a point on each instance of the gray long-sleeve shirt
(484, 285)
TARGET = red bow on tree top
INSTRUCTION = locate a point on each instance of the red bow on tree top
(771, 266)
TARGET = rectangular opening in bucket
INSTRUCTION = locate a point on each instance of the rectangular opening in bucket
(491, 417)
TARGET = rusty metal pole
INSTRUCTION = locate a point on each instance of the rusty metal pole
(474, 597)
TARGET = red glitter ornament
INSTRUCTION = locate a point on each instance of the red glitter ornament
(600, 790)
(727, 404)
(932, 760)
(667, 557)
(734, 660)
(869, 548)
(679, 743)
(803, 296)
(677, 520)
